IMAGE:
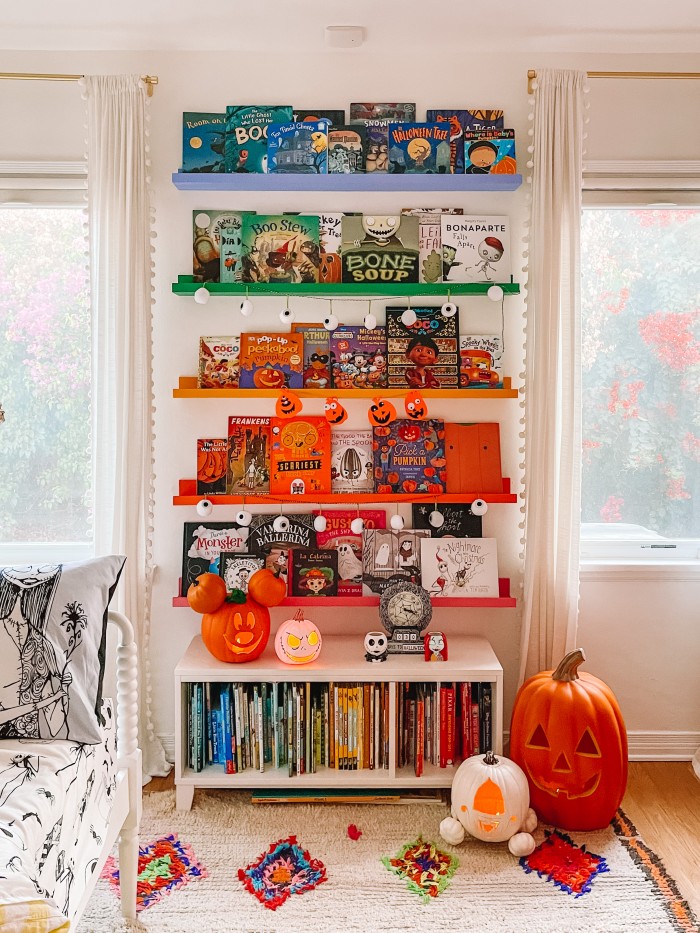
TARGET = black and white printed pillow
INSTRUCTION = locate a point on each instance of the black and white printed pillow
(53, 634)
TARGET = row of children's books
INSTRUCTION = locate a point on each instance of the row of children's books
(300, 727)
(429, 353)
(442, 723)
(377, 138)
(304, 456)
(450, 561)
(416, 245)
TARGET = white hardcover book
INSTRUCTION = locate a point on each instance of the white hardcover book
(476, 249)
(459, 567)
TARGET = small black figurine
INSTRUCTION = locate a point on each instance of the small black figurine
(376, 646)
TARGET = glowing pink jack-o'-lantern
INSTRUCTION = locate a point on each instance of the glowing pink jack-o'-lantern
(298, 641)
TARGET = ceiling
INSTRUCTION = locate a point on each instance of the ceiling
(544, 25)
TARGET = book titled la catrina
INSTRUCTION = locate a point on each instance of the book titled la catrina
(246, 135)
(409, 457)
(314, 572)
(271, 361)
(300, 456)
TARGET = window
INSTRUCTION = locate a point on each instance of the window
(641, 382)
(45, 382)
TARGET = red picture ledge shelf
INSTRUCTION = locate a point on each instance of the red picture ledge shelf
(503, 601)
(188, 496)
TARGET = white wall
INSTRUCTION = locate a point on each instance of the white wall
(621, 623)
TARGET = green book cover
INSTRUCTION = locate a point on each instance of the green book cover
(246, 135)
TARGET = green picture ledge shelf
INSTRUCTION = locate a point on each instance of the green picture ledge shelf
(185, 285)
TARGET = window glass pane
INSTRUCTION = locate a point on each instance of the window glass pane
(641, 370)
(45, 338)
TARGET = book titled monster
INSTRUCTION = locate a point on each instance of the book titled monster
(314, 572)
(458, 520)
(476, 249)
(202, 545)
(216, 245)
(380, 248)
(352, 464)
(358, 357)
(419, 148)
(298, 148)
(390, 557)
(339, 535)
(271, 361)
(280, 248)
(423, 354)
(409, 457)
(347, 149)
(300, 462)
(490, 152)
(203, 137)
(248, 471)
(246, 136)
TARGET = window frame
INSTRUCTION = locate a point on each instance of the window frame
(44, 185)
(629, 185)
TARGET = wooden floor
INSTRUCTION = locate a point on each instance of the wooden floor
(663, 801)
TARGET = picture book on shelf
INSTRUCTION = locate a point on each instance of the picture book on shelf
(248, 471)
(211, 466)
(459, 567)
(389, 113)
(271, 361)
(430, 240)
(423, 354)
(389, 557)
(376, 119)
(483, 119)
(246, 135)
(458, 520)
(490, 152)
(380, 248)
(419, 148)
(476, 249)
(300, 533)
(277, 560)
(317, 366)
(339, 535)
(481, 361)
(203, 542)
(456, 121)
(352, 464)
(330, 226)
(280, 248)
(330, 117)
(313, 572)
(300, 462)
(298, 148)
(409, 457)
(347, 149)
(358, 357)
(236, 569)
(216, 245)
(203, 137)
(219, 359)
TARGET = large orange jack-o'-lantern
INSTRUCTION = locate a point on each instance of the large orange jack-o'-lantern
(490, 801)
(568, 736)
(237, 631)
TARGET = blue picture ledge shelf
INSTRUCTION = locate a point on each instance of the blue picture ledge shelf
(372, 181)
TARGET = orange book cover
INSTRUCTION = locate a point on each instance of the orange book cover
(300, 456)
(271, 361)
(473, 455)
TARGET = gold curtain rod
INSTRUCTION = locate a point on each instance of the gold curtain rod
(149, 80)
(673, 75)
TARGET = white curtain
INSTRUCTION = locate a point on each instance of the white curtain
(119, 217)
(553, 374)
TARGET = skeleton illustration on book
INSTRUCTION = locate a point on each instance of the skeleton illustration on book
(380, 231)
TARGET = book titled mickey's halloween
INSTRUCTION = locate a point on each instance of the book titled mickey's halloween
(409, 457)
(300, 458)
(271, 361)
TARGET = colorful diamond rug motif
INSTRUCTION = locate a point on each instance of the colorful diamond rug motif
(570, 867)
(164, 865)
(283, 870)
(426, 870)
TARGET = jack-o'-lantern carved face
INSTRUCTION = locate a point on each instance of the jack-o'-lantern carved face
(490, 797)
(299, 434)
(335, 413)
(288, 404)
(381, 412)
(329, 269)
(298, 641)
(409, 432)
(566, 770)
(236, 632)
(268, 378)
(415, 406)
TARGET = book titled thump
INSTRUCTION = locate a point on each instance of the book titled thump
(476, 249)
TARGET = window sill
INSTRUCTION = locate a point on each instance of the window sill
(639, 571)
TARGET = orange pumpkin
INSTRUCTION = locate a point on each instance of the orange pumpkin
(381, 412)
(267, 377)
(506, 166)
(236, 632)
(207, 593)
(266, 588)
(288, 404)
(568, 736)
(329, 269)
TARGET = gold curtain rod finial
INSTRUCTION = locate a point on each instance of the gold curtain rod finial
(149, 80)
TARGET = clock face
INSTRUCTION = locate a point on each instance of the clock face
(405, 606)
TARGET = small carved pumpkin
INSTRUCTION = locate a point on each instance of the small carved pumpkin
(298, 641)
(288, 404)
(207, 593)
(329, 269)
(568, 736)
(237, 631)
(381, 412)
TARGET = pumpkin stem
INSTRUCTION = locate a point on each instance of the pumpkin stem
(299, 615)
(569, 665)
(490, 758)
(236, 596)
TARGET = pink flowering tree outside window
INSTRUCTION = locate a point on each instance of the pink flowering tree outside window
(641, 369)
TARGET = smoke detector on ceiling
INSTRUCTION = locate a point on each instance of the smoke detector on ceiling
(344, 37)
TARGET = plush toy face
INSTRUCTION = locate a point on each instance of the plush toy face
(490, 800)
(298, 641)
(375, 644)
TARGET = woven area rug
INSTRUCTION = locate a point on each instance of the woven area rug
(489, 892)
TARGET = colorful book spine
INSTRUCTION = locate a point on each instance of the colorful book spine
(474, 730)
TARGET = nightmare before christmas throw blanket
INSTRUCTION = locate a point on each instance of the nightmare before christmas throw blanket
(488, 892)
